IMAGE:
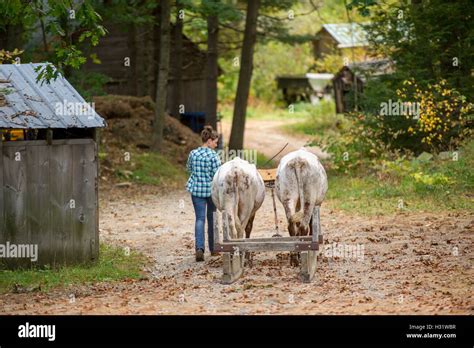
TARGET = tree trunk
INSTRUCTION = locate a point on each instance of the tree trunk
(162, 79)
(212, 70)
(178, 64)
(136, 85)
(12, 38)
(245, 77)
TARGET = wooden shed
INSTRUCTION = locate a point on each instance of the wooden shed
(352, 78)
(345, 84)
(129, 57)
(339, 37)
(311, 87)
(49, 173)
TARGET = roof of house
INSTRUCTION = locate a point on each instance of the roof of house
(26, 103)
(347, 34)
(367, 69)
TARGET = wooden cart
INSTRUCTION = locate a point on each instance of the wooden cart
(234, 250)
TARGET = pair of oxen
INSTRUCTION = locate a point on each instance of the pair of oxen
(301, 184)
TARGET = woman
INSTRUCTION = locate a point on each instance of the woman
(203, 163)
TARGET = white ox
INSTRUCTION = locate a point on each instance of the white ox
(301, 184)
(239, 191)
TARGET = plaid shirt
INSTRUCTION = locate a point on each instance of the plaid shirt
(203, 163)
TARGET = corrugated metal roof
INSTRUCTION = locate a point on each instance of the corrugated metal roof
(25, 104)
(347, 34)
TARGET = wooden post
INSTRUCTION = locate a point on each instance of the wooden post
(216, 228)
(49, 136)
(316, 226)
(308, 258)
(232, 262)
(308, 266)
(233, 266)
(320, 233)
(2, 203)
(225, 226)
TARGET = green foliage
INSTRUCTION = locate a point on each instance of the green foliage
(113, 265)
(153, 169)
(263, 162)
(89, 84)
(318, 120)
(407, 184)
(428, 40)
(62, 21)
(7, 57)
(367, 177)
(66, 19)
(283, 47)
(271, 59)
(443, 121)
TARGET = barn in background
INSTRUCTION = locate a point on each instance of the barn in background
(352, 78)
(49, 173)
(129, 57)
(340, 38)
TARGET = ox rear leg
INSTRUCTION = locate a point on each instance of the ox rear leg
(290, 205)
(248, 231)
(248, 228)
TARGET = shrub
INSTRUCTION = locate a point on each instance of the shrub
(442, 119)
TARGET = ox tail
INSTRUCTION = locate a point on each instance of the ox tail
(298, 216)
(238, 225)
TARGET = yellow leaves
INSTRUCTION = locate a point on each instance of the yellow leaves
(440, 107)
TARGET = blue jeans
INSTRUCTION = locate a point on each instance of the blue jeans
(200, 204)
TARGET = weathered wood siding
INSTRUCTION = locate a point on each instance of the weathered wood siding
(140, 45)
(194, 95)
(48, 197)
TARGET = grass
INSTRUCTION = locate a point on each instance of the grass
(408, 185)
(113, 265)
(263, 162)
(262, 111)
(317, 120)
(369, 196)
(152, 169)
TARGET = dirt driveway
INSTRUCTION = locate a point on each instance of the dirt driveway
(411, 264)
(267, 137)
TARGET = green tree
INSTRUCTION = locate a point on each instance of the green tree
(162, 78)
(427, 40)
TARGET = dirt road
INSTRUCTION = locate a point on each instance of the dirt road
(411, 264)
(404, 264)
(267, 137)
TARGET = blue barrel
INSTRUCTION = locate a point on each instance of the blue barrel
(194, 120)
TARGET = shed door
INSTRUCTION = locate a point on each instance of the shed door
(49, 199)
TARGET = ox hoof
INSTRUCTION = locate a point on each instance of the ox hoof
(295, 259)
(248, 259)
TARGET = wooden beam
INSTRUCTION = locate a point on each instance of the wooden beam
(266, 246)
(272, 239)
